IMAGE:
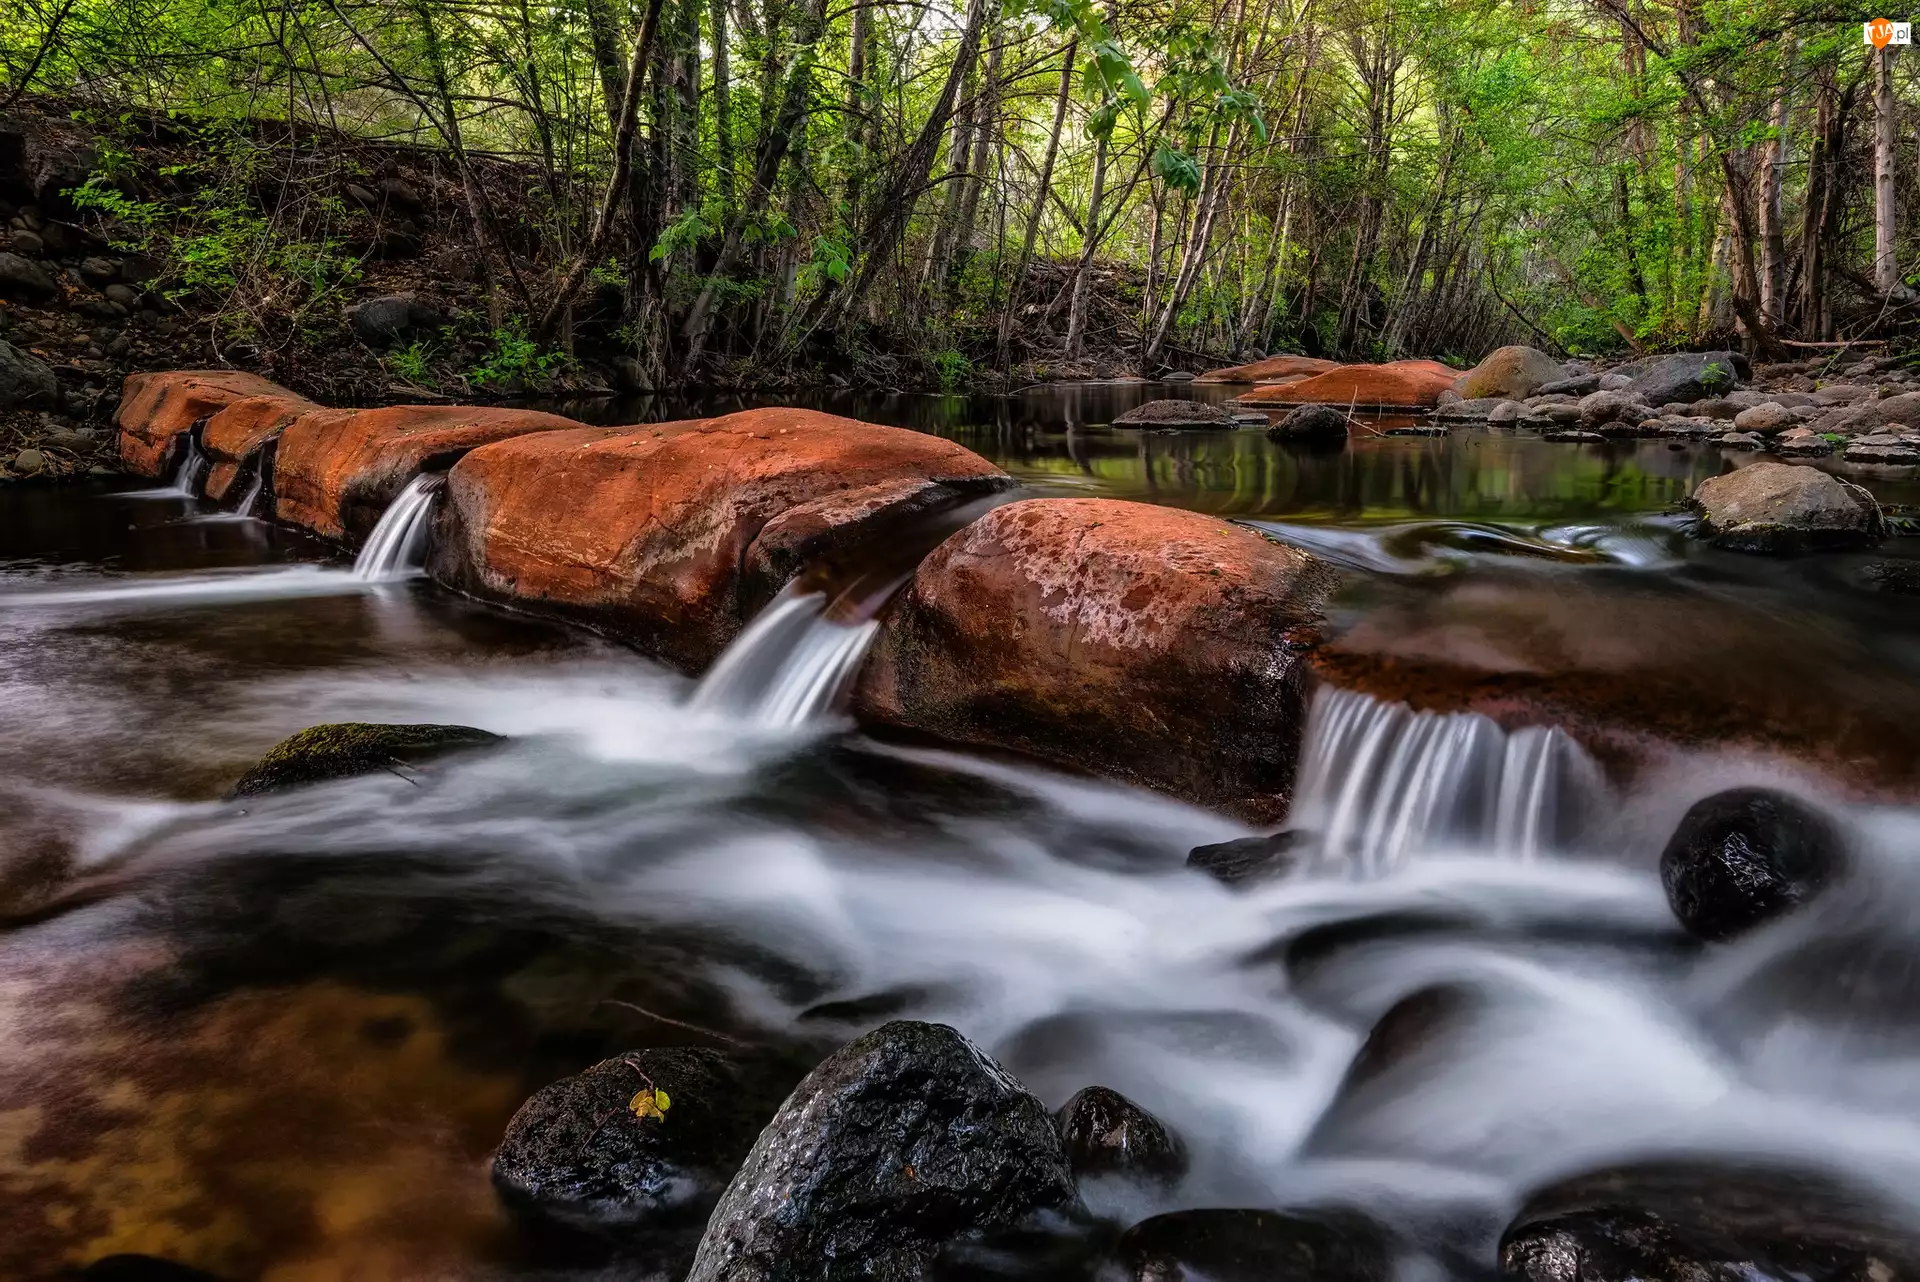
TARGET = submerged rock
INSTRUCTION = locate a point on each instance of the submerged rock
(1745, 856)
(1171, 413)
(1247, 859)
(1107, 1134)
(345, 748)
(1398, 1055)
(1707, 1223)
(1781, 507)
(1312, 422)
(1257, 1246)
(578, 1155)
(900, 1142)
(1512, 373)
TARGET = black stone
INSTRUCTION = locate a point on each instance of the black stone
(901, 1142)
(1312, 422)
(1107, 1134)
(1745, 856)
(140, 1268)
(25, 381)
(1247, 859)
(1710, 1223)
(1392, 1064)
(24, 280)
(576, 1156)
(1256, 1246)
(346, 748)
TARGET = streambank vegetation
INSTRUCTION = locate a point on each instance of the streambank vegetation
(945, 194)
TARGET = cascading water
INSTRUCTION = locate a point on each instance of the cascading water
(251, 498)
(789, 667)
(1378, 780)
(398, 543)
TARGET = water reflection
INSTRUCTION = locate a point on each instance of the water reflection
(1059, 440)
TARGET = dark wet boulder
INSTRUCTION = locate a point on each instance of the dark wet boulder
(1707, 1223)
(900, 1142)
(1107, 1134)
(1686, 377)
(1175, 414)
(581, 1155)
(1247, 859)
(1256, 1246)
(1743, 857)
(1312, 423)
(1572, 385)
(1786, 507)
(25, 382)
(345, 748)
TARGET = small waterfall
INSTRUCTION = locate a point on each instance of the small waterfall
(251, 498)
(397, 546)
(1379, 781)
(186, 473)
(790, 666)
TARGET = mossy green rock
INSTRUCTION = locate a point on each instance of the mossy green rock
(345, 748)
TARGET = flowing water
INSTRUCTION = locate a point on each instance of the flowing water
(279, 1039)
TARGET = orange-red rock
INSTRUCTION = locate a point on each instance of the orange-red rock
(233, 435)
(336, 471)
(1404, 384)
(672, 534)
(1146, 643)
(156, 407)
(1268, 370)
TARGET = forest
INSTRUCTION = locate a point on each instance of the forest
(1006, 190)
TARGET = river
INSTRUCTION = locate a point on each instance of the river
(280, 1038)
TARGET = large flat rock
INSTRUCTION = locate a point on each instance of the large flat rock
(335, 473)
(656, 533)
(1402, 384)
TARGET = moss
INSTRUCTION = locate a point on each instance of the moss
(341, 749)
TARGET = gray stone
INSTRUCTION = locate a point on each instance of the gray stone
(1607, 407)
(1615, 382)
(1782, 507)
(1573, 438)
(1507, 412)
(1686, 376)
(1884, 450)
(98, 272)
(25, 280)
(1842, 394)
(1474, 410)
(1739, 441)
(395, 319)
(27, 242)
(1902, 410)
(1576, 385)
(25, 381)
(29, 462)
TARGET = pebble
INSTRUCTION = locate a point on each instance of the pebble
(29, 462)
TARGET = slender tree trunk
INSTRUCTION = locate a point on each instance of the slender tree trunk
(1886, 268)
(1773, 240)
(1083, 269)
(723, 104)
(1043, 184)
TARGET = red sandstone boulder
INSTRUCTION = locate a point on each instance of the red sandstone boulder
(671, 535)
(1269, 370)
(1403, 384)
(336, 471)
(157, 407)
(234, 434)
(1146, 643)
